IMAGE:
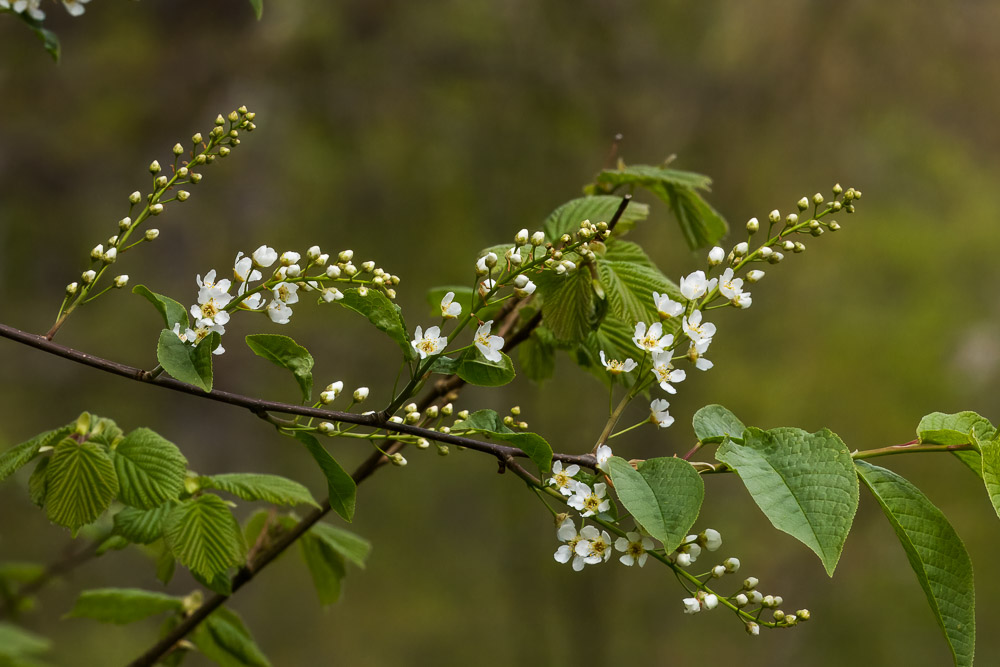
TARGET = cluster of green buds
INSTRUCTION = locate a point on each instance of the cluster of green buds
(751, 602)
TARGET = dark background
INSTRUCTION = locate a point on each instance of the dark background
(418, 133)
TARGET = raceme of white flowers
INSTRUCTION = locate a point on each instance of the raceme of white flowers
(33, 8)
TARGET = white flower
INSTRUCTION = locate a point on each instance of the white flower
(278, 312)
(212, 300)
(696, 285)
(488, 285)
(731, 564)
(562, 478)
(754, 276)
(333, 271)
(286, 293)
(486, 262)
(742, 300)
(616, 367)
(658, 413)
(566, 532)
(665, 372)
(254, 301)
(696, 330)
(666, 307)
(429, 343)
(651, 340)
(332, 294)
(590, 502)
(691, 605)
(514, 257)
(716, 255)
(202, 329)
(602, 455)
(696, 354)
(730, 286)
(634, 548)
(74, 7)
(753, 629)
(210, 283)
(488, 345)
(710, 601)
(594, 545)
(264, 256)
(290, 257)
(523, 285)
(711, 539)
(31, 6)
(177, 332)
(449, 308)
(243, 269)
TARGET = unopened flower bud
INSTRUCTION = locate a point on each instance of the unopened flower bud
(362, 291)
(156, 209)
(766, 252)
(293, 270)
(432, 412)
(121, 281)
(412, 417)
(741, 600)
(151, 234)
(750, 583)
(335, 387)
(778, 615)
(423, 443)
(219, 120)
(350, 269)
(508, 421)
(154, 167)
(791, 220)
(774, 216)
(521, 237)
(97, 252)
(368, 266)
(538, 238)
(442, 449)
(195, 178)
(799, 246)
(395, 419)
(715, 256)
(837, 189)
(182, 195)
(731, 564)
(346, 255)
(88, 277)
(833, 225)
(360, 394)
(160, 182)
(491, 259)
(520, 281)
(410, 407)
(788, 246)
(333, 271)
(197, 138)
(110, 256)
(447, 409)
(224, 151)
(775, 258)
(178, 149)
(817, 198)
(754, 276)
(327, 397)
(753, 629)
(753, 225)
(718, 571)
(710, 539)
(741, 249)
(768, 601)
(124, 223)
(802, 614)
(135, 197)
(803, 204)
(464, 414)
(313, 252)
(326, 428)
(71, 289)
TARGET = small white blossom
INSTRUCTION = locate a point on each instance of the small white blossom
(590, 502)
(213, 297)
(602, 455)
(279, 312)
(254, 301)
(754, 276)
(566, 532)
(74, 7)
(450, 309)
(32, 7)
(666, 307)
(594, 545)
(486, 262)
(730, 286)
(658, 413)
(562, 478)
(753, 629)
(731, 564)
(742, 300)
(711, 539)
(430, 342)
(616, 367)
(264, 256)
(696, 354)
(652, 340)
(634, 547)
(488, 285)
(286, 293)
(331, 294)
(696, 285)
(697, 330)
(243, 269)
(121, 281)
(691, 605)
(488, 345)
(333, 271)
(290, 257)
(665, 372)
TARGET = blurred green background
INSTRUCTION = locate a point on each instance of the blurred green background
(417, 133)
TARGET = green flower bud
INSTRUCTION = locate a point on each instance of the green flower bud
(753, 225)
(817, 198)
(219, 120)
(135, 197)
(178, 149)
(196, 139)
(154, 167)
(803, 204)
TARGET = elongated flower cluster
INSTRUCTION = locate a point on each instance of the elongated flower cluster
(33, 8)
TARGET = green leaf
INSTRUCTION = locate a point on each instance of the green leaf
(701, 224)
(285, 352)
(171, 311)
(714, 423)
(50, 41)
(272, 489)
(971, 460)
(804, 482)
(258, 8)
(21, 572)
(22, 454)
(38, 483)
(537, 355)
(326, 567)
(123, 605)
(482, 420)
(961, 428)
(219, 583)
(629, 288)
(567, 218)
(142, 526)
(111, 543)
(490, 423)
(105, 432)
(936, 554)
(203, 535)
(568, 308)
(165, 566)
(444, 365)
(650, 176)
(383, 314)
(349, 545)
(225, 639)
(342, 488)
(188, 364)
(664, 496)
(150, 468)
(81, 483)
(991, 470)
(16, 643)
(476, 369)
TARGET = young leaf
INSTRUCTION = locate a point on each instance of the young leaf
(203, 535)
(50, 41)
(224, 639)
(961, 428)
(171, 311)
(714, 423)
(325, 565)
(18, 645)
(701, 224)
(567, 218)
(111, 543)
(629, 289)
(991, 470)
(142, 526)
(352, 547)
(38, 483)
(383, 314)
(219, 583)
(150, 469)
(272, 489)
(445, 365)
(123, 605)
(342, 488)
(803, 482)
(537, 355)
(649, 176)
(258, 8)
(22, 454)
(285, 352)
(188, 364)
(568, 309)
(936, 554)
(475, 369)
(81, 483)
(482, 420)
(664, 496)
